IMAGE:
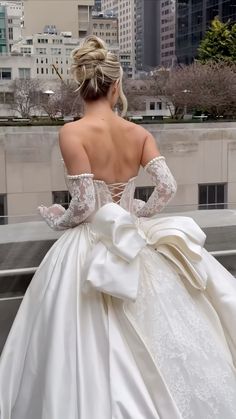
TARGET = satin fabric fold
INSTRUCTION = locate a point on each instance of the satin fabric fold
(113, 265)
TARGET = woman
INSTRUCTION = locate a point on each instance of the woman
(127, 316)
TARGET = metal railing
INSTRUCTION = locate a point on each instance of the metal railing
(27, 271)
(32, 270)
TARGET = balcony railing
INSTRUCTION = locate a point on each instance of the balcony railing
(32, 270)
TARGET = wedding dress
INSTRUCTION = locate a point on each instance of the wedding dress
(127, 317)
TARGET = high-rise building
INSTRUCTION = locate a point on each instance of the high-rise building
(106, 27)
(97, 6)
(193, 19)
(167, 33)
(147, 34)
(3, 30)
(13, 21)
(110, 7)
(125, 11)
(66, 15)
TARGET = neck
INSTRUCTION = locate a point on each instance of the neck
(99, 108)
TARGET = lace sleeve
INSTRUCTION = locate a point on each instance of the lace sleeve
(164, 190)
(82, 204)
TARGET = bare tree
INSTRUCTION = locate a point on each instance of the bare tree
(136, 92)
(209, 87)
(65, 101)
(26, 96)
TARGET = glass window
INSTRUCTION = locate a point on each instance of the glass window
(143, 192)
(5, 73)
(24, 73)
(10, 33)
(152, 106)
(62, 198)
(212, 196)
(41, 51)
(3, 209)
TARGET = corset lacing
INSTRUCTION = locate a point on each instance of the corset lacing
(116, 191)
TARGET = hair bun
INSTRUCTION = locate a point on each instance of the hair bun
(92, 50)
(95, 69)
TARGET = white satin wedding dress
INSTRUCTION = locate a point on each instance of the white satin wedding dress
(127, 317)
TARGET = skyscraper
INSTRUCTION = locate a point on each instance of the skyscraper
(97, 6)
(125, 11)
(167, 33)
(3, 30)
(110, 7)
(13, 21)
(66, 15)
(147, 36)
(193, 19)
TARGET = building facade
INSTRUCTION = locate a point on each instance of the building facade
(3, 30)
(65, 15)
(167, 33)
(193, 18)
(204, 183)
(106, 27)
(13, 21)
(50, 54)
(97, 8)
(125, 10)
(147, 34)
(110, 7)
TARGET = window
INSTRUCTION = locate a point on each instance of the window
(143, 192)
(25, 50)
(24, 73)
(152, 106)
(42, 41)
(41, 51)
(3, 209)
(56, 51)
(61, 197)
(10, 33)
(5, 73)
(212, 196)
(69, 51)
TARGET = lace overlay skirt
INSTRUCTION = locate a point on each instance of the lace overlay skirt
(186, 340)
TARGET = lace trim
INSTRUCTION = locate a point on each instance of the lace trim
(153, 160)
(80, 176)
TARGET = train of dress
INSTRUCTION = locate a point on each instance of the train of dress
(125, 318)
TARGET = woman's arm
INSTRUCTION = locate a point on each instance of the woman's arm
(165, 184)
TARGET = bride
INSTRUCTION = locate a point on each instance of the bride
(127, 317)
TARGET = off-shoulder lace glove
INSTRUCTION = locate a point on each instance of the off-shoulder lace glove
(164, 190)
(82, 204)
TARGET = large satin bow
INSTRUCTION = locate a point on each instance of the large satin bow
(113, 265)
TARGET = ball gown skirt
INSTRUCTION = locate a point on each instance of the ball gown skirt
(124, 319)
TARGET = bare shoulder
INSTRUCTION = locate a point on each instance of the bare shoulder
(150, 149)
(71, 130)
(139, 133)
(72, 149)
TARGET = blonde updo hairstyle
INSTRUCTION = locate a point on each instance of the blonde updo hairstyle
(95, 69)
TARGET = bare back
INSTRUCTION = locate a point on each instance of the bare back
(111, 148)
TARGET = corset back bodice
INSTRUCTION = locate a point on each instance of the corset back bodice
(120, 193)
